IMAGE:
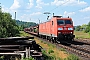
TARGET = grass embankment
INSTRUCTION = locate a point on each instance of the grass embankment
(81, 34)
(51, 52)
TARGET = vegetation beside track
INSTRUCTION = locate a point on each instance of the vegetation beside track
(81, 34)
(8, 27)
(50, 52)
(22, 33)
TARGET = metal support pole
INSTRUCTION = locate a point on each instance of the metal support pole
(15, 15)
(29, 52)
(26, 52)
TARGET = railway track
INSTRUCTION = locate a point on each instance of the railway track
(85, 41)
(78, 48)
(82, 50)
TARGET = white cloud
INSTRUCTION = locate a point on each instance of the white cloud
(85, 10)
(87, 17)
(8, 10)
(68, 13)
(30, 4)
(28, 17)
(68, 2)
(15, 5)
(35, 13)
(40, 3)
(81, 2)
(13, 8)
(4, 9)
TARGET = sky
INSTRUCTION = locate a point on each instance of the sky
(33, 10)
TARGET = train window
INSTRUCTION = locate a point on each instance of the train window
(68, 22)
(60, 22)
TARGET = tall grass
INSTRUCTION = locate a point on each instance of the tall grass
(50, 51)
(81, 34)
(48, 56)
(22, 33)
(72, 57)
(30, 58)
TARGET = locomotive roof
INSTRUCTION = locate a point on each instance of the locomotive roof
(58, 17)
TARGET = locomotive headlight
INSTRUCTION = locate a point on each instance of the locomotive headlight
(70, 28)
(60, 28)
(71, 32)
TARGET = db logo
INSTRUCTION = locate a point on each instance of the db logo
(65, 28)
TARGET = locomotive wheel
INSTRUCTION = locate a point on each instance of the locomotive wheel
(54, 40)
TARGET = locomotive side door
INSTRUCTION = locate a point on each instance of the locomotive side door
(52, 28)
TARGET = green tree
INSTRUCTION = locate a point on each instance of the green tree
(78, 28)
(87, 28)
(23, 25)
(8, 27)
(83, 27)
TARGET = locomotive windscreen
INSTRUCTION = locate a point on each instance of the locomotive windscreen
(68, 22)
(59, 22)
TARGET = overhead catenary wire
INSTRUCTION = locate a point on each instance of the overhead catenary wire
(59, 5)
(67, 2)
(56, 8)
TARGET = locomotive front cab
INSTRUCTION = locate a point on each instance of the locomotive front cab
(65, 29)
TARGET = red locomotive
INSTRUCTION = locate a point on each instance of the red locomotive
(56, 29)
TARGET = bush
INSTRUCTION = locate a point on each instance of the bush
(51, 45)
(30, 58)
(47, 56)
(60, 59)
(50, 51)
(62, 49)
(2, 58)
(72, 57)
(89, 33)
(8, 27)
